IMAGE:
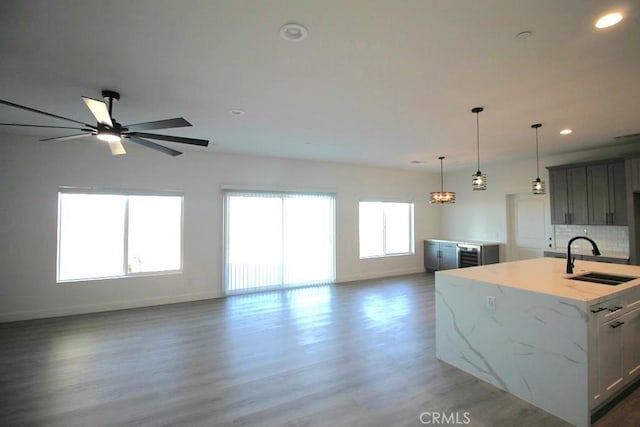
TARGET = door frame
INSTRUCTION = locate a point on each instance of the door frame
(511, 235)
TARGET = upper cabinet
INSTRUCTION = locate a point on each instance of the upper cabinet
(588, 194)
(568, 193)
(607, 194)
(634, 168)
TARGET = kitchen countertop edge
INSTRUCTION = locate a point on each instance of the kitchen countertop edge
(547, 276)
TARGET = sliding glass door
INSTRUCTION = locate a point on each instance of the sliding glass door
(275, 240)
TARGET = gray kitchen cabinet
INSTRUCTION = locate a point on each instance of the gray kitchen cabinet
(598, 184)
(610, 360)
(558, 195)
(579, 257)
(568, 195)
(634, 169)
(631, 341)
(553, 254)
(618, 193)
(617, 346)
(607, 200)
(448, 256)
(440, 255)
(431, 255)
(591, 193)
(610, 260)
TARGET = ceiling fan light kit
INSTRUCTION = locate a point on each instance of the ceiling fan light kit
(108, 136)
(107, 129)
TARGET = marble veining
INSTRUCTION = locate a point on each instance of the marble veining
(488, 368)
(532, 345)
(580, 311)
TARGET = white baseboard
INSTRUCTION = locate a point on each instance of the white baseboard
(149, 302)
(97, 308)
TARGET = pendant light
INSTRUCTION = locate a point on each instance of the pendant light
(442, 196)
(479, 179)
(537, 185)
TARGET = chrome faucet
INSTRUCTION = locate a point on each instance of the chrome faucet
(595, 251)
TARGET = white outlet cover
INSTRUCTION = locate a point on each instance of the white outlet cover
(491, 303)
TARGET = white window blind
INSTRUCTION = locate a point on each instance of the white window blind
(278, 240)
(386, 228)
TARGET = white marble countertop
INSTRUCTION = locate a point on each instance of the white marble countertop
(547, 276)
(576, 251)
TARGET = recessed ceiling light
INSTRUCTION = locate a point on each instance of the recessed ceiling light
(293, 32)
(236, 112)
(609, 20)
(416, 162)
(523, 35)
(566, 131)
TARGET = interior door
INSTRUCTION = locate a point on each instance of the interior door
(528, 226)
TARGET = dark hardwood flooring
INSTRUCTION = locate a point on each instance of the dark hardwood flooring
(356, 354)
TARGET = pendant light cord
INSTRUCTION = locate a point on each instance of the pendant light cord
(478, 137)
(537, 156)
(441, 178)
(536, 126)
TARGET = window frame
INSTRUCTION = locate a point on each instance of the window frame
(125, 242)
(412, 238)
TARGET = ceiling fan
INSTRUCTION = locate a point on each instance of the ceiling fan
(109, 130)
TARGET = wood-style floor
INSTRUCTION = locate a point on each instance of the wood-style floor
(357, 354)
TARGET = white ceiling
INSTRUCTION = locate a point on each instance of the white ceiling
(375, 82)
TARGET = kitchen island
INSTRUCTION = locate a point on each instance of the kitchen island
(563, 345)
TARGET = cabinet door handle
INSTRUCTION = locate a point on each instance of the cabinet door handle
(570, 220)
(565, 218)
(614, 308)
(611, 216)
(598, 310)
(616, 324)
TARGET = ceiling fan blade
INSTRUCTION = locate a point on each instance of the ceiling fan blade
(99, 110)
(153, 145)
(192, 141)
(33, 110)
(67, 137)
(49, 127)
(178, 122)
(116, 148)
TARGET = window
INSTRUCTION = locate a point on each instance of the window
(386, 228)
(278, 240)
(104, 235)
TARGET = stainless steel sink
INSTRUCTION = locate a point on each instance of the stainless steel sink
(603, 278)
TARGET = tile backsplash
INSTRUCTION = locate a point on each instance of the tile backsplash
(608, 237)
